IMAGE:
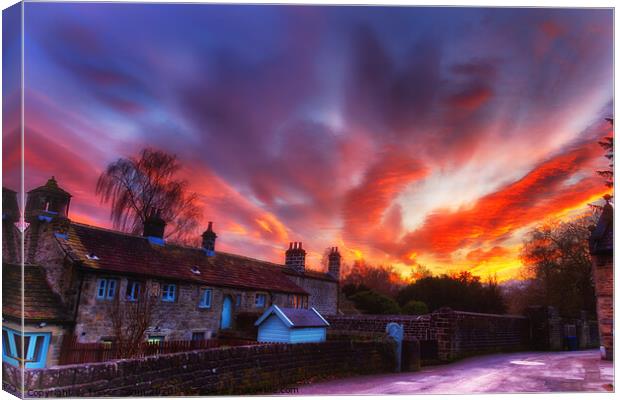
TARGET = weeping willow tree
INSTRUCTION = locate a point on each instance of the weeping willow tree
(138, 187)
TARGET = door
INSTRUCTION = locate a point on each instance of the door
(226, 313)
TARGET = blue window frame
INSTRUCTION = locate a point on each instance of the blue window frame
(106, 288)
(238, 300)
(133, 290)
(168, 292)
(205, 298)
(260, 300)
(35, 346)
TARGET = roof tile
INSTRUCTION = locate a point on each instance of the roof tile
(40, 303)
(131, 254)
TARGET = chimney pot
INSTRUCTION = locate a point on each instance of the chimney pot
(296, 257)
(334, 263)
(208, 240)
(154, 225)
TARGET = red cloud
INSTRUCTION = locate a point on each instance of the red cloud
(543, 192)
(365, 205)
(552, 29)
(471, 98)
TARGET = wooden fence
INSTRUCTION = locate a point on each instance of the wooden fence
(73, 352)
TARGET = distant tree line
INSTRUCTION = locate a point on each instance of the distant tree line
(380, 290)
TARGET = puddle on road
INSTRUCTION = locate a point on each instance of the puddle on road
(523, 362)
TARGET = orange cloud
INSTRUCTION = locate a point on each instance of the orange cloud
(480, 255)
(366, 204)
(543, 192)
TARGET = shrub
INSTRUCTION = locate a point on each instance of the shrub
(370, 302)
(414, 307)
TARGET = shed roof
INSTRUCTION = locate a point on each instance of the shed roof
(295, 317)
(112, 251)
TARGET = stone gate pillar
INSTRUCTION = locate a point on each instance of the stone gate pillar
(443, 323)
(602, 252)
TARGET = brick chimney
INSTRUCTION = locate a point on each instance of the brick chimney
(154, 228)
(296, 257)
(208, 240)
(334, 263)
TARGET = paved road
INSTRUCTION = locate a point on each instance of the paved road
(573, 371)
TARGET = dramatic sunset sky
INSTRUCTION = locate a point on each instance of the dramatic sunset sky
(402, 135)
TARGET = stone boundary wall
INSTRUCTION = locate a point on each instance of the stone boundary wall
(457, 333)
(415, 326)
(475, 333)
(265, 368)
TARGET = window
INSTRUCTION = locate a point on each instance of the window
(238, 301)
(155, 339)
(205, 299)
(133, 291)
(35, 346)
(106, 288)
(198, 336)
(168, 292)
(260, 300)
(296, 301)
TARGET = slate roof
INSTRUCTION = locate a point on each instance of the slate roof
(309, 274)
(51, 186)
(131, 254)
(295, 317)
(40, 303)
(602, 238)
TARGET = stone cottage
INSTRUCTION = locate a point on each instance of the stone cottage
(602, 251)
(76, 276)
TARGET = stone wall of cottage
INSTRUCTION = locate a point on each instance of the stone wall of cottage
(237, 370)
(176, 320)
(59, 272)
(603, 271)
(322, 294)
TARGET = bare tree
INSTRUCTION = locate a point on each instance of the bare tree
(383, 279)
(558, 260)
(130, 320)
(137, 187)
